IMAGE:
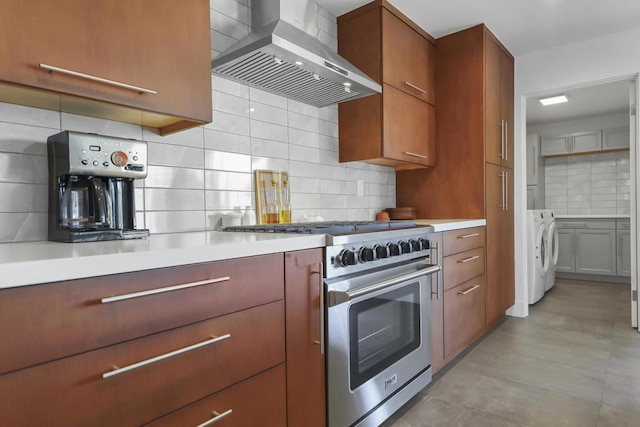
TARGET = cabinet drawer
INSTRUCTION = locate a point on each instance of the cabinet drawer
(46, 322)
(73, 392)
(461, 267)
(606, 223)
(464, 314)
(258, 401)
(462, 240)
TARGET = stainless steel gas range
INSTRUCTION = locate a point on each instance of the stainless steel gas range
(377, 301)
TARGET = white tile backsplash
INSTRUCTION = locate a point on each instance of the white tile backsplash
(590, 184)
(196, 175)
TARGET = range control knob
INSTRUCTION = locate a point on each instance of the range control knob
(346, 257)
(405, 246)
(365, 254)
(381, 251)
(119, 158)
(415, 245)
(394, 250)
(424, 243)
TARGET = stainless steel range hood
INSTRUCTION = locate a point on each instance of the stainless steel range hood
(283, 57)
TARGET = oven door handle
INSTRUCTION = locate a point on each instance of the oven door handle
(338, 297)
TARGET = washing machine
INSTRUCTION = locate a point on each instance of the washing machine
(551, 232)
(538, 255)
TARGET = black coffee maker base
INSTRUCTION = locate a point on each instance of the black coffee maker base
(99, 235)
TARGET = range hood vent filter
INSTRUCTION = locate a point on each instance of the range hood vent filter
(276, 75)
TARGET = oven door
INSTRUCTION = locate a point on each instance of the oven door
(378, 336)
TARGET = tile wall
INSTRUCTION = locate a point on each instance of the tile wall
(590, 184)
(196, 175)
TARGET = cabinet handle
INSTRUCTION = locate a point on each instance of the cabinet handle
(463, 261)
(434, 260)
(321, 304)
(506, 191)
(163, 290)
(466, 236)
(415, 87)
(216, 417)
(506, 140)
(502, 190)
(501, 153)
(409, 153)
(118, 371)
(51, 68)
(471, 289)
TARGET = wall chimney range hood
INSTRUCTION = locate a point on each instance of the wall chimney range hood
(282, 56)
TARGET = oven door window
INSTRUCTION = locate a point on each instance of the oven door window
(382, 330)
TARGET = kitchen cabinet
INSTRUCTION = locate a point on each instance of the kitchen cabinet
(437, 304)
(587, 247)
(305, 339)
(623, 247)
(615, 139)
(144, 62)
(397, 127)
(463, 269)
(472, 177)
(535, 173)
(129, 349)
(575, 143)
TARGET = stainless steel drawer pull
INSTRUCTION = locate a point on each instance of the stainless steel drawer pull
(415, 87)
(162, 290)
(468, 291)
(98, 79)
(466, 236)
(118, 371)
(216, 417)
(409, 153)
(462, 261)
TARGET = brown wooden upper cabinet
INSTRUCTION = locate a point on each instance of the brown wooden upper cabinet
(397, 127)
(499, 104)
(145, 62)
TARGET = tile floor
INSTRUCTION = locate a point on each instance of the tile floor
(575, 361)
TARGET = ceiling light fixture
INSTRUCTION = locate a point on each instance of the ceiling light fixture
(554, 100)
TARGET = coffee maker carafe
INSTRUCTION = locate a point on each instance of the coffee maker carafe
(91, 187)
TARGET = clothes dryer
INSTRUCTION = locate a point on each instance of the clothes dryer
(537, 254)
(551, 233)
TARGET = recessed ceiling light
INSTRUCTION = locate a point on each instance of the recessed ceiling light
(554, 100)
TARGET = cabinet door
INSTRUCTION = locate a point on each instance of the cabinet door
(566, 250)
(495, 202)
(464, 314)
(586, 142)
(159, 45)
(555, 145)
(595, 252)
(533, 143)
(506, 107)
(304, 326)
(494, 122)
(409, 128)
(437, 304)
(623, 253)
(408, 59)
(615, 139)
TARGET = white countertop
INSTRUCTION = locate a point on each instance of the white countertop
(595, 216)
(451, 224)
(44, 262)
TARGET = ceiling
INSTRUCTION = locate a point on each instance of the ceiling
(527, 26)
(523, 26)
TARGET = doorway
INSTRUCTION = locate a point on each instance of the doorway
(578, 180)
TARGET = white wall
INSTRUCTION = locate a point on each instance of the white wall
(197, 174)
(597, 60)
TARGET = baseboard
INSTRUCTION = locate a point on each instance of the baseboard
(519, 309)
(593, 277)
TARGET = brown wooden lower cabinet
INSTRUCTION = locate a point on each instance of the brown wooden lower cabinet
(306, 405)
(73, 392)
(258, 401)
(464, 308)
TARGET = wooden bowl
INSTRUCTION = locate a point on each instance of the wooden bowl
(401, 213)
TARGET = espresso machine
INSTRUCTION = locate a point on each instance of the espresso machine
(91, 187)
